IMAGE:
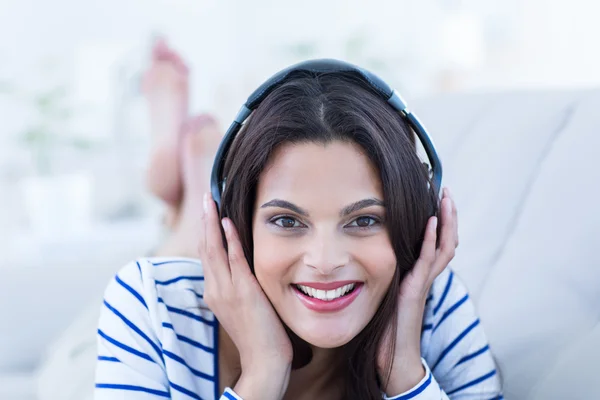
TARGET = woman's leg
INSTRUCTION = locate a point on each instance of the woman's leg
(165, 87)
(200, 138)
(184, 147)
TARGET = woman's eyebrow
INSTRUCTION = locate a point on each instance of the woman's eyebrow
(349, 209)
(285, 204)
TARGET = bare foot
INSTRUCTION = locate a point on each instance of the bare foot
(201, 136)
(165, 86)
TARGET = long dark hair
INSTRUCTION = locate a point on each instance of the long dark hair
(331, 107)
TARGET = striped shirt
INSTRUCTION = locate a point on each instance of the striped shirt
(157, 338)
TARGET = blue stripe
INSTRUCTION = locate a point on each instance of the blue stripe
(180, 278)
(125, 347)
(455, 342)
(497, 398)
(427, 327)
(473, 355)
(229, 395)
(133, 389)
(444, 294)
(451, 310)
(429, 298)
(132, 291)
(215, 358)
(156, 264)
(105, 358)
(135, 329)
(181, 361)
(188, 340)
(415, 392)
(473, 382)
(139, 268)
(198, 295)
(186, 313)
(185, 391)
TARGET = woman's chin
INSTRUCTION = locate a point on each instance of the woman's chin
(325, 340)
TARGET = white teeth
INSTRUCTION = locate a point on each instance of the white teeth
(326, 295)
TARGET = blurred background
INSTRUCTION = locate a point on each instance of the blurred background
(74, 134)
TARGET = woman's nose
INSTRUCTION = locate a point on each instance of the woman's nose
(325, 253)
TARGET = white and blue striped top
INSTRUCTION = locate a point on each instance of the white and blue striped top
(157, 338)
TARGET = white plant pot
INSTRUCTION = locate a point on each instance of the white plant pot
(59, 205)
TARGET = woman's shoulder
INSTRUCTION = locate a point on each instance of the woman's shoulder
(448, 310)
(154, 320)
(153, 280)
(446, 289)
(168, 270)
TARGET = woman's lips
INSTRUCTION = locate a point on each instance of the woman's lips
(326, 285)
(334, 305)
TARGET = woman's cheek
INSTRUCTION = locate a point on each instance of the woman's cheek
(377, 257)
(273, 257)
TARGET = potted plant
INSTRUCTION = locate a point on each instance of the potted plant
(56, 201)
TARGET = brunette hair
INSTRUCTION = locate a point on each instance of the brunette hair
(322, 109)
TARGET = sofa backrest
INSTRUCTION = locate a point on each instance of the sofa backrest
(523, 168)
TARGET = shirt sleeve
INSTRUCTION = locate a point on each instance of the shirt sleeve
(456, 354)
(130, 362)
(427, 389)
(229, 394)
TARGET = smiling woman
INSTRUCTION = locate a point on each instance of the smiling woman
(332, 283)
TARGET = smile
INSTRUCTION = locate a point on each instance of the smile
(327, 297)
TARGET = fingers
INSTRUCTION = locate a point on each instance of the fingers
(428, 251)
(448, 234)
(212, 253)
(240, 270)
(454, 218)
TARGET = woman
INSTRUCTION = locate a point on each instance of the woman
(329, 284)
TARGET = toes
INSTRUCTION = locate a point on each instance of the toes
(160, 51)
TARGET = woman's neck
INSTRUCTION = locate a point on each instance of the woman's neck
(321, 378)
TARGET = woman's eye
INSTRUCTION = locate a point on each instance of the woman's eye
(363, 222)
(286, 222)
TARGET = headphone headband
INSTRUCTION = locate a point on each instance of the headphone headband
(316, 68)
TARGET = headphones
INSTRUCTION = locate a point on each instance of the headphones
(317, 68)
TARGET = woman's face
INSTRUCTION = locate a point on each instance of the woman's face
(321, 250)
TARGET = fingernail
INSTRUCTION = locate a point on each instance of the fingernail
(435, 222)
(225, 224)
(449, 207)
(205, 202)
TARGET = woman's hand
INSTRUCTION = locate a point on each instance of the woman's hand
(239, 303)
(407, 370)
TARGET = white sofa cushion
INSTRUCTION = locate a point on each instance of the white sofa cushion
(523, 168)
